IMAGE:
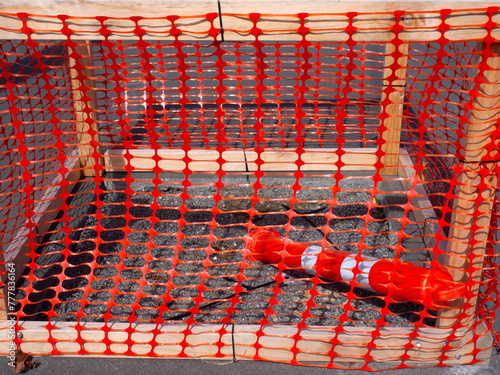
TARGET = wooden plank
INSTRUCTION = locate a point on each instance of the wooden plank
(394, 110)
(275, 342)
(3, 301)
(459, 254)
(241, 161)
(83, 102)
(278, 21)
(45, 212)
(159, 8)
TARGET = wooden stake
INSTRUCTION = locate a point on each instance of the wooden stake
(82, 106)
(478, 134)
(392, 135)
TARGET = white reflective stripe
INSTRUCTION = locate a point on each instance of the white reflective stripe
(365, 266)
(364, 276)
(346, 268)
(309, 258)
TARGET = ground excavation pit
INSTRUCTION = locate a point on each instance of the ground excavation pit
(148, 249)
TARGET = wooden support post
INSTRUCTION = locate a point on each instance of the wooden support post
(460, 254)
(85, 106)
(394, 110)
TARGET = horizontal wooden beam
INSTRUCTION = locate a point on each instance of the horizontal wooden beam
(158, 8)
(240, 161)
(425, 345)
(326, 20)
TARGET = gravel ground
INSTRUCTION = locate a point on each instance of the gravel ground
(179, 278)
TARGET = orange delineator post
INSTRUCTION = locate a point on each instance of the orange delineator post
(402, 281)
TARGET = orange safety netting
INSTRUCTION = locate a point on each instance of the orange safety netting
(140, 163)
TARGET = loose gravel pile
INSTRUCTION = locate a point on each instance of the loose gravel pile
(177, 272)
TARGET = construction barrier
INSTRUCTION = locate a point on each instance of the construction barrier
(315, 186)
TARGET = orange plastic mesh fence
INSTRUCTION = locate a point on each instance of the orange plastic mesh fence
(272, 196)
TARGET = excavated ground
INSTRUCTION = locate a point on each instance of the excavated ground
(158, 276)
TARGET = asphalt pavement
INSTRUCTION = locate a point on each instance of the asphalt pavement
(86, 365)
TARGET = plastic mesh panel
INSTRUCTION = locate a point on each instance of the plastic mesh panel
(136, 165)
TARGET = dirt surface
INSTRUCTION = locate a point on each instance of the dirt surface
(186, 251)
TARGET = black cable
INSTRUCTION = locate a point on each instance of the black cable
(215, 303)
(313, 225)
(220, 21)
(232, 342)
